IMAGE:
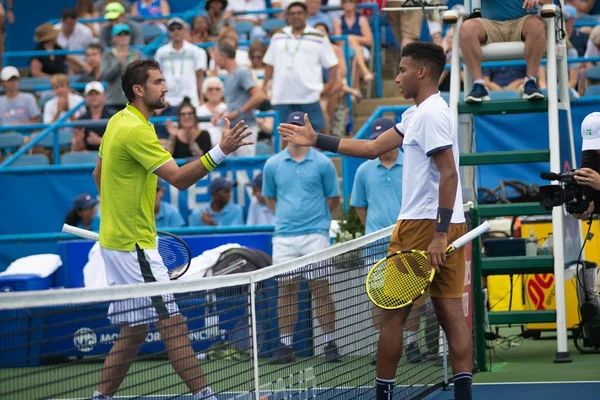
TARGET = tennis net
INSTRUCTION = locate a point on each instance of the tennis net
(54, 342)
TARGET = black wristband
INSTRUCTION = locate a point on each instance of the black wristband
(328, 143)
(444, 216)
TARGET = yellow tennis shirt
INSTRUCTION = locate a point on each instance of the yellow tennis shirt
(130, 153)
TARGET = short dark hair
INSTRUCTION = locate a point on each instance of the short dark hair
(68, 13)
(227, 49)
(95, 46)
(136, 73)
(430, 54)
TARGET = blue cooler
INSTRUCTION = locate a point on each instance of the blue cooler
(20, 333)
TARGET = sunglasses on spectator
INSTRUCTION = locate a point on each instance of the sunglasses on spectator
(258, 56)
(210, 89)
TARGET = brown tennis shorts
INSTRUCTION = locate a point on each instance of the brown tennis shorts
(417, 235)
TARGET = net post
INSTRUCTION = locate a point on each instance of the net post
(478, 295)
(254, 338)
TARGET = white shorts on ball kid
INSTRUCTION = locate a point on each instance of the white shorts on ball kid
(133, 267)
(287, 248)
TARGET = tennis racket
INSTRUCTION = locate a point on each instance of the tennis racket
(175, 253)
(402, 277)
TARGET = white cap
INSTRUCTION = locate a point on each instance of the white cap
(590, 132)
(93, 85)
(9, 72)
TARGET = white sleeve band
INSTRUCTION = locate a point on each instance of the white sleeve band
(217, 154)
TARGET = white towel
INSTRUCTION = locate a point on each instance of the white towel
(42, 265)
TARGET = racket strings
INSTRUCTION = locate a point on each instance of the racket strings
(399, 280)
(175, 254)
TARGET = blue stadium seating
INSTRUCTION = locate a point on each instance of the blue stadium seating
(64, 139)
(86, 157)
(593, 90)
(30, 160)
(243, 28)
(263, 148)
(10, 141)
(593, 73)
(271, 24)
(151, 32)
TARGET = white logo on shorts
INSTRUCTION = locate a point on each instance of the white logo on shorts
(85, 339)
(6, 289)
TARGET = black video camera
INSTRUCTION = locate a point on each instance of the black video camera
(567, 192)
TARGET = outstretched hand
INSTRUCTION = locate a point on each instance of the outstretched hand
(301, 135)
(233, 139)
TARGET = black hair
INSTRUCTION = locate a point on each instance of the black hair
(136, 73)
(187, 102)
(73, 218)
(68, 13)
(430, 54)
(95, 46)
(226, 49)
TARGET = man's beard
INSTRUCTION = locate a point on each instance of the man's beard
(155, 104)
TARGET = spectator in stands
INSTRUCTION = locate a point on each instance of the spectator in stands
(115, 14)
(504, 78)
(73, 35)
(187, 140)
(83, 214)
(200, 30)
(212, 89)
(244, 6)
(166, 214)
(220, 211)
(114, 63)
(150, 8)
(577, 37)
(16, 108)
(405, 26)
(359, 34)
(506, 21)
(256, 52)
(93, 60)
(315, 16)
(183, 65)
(259, 212)
(45, 66)
(230, 36)
(7, 15)
(85, 9)
(63, 101)
(88, 138)
(295, 61)
(587, 8)
(218, 16)
(101, 5)
(301, 186)
(242, 95)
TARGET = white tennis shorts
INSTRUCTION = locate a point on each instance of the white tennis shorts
(287, 248)
(132, 267)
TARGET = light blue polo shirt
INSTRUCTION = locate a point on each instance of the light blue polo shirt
(504, 10)
(379, 190)
(301, 190)
(231, 214)
(168, 216)
(259, 214)
(94, 226)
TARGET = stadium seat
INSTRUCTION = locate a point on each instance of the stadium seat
(64, 139)
(27, 84)
(504, 94)
(27, 160)
(44, 99)
(10, 141)
(86, 157)
(151, 32)
(271, 24)
(243, 28)
(263, 148)
(573, 95)
(593, 73)
(593, 90)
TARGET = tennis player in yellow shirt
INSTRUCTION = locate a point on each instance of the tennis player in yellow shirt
(131, 158)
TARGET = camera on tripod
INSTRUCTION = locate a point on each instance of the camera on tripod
(567, 192)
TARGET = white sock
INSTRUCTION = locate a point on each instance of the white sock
(328, 337)
(286, 340)
(205, 394)
(411, 337)
(99, 396)
(480, 81)
(530, 78)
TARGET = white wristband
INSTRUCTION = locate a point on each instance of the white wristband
(217, 154)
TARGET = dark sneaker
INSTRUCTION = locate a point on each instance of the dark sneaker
(283, 355)
(412, 354)
(531, 91)
(478, 94)
(331, 352)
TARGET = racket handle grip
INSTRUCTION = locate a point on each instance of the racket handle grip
(82, 233)
(480, 230)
